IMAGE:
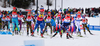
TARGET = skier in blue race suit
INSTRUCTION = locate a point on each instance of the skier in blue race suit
(15, 20)
(40, 21)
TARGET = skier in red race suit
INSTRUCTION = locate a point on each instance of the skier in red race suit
(66, 24)
(20, 18)
(29, 21)
(48, 22)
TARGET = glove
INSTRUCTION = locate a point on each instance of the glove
(61, 31)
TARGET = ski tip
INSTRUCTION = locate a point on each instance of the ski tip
(93, 34)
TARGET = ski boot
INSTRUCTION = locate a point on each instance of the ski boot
(67, 36)
(91, 33)
(80, 34)
(61, 36)
(12, 33)
(84, 32)
(19, 32)
(42, 35)
(27, 33)
(32, 34)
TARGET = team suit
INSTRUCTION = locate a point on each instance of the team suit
(84, 23)
(15, 19)
(66, 24)
(40, 21)
(48, 22)
(29, 21)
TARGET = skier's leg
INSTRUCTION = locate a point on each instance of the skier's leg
(67, 36)
(69, 29)
(6, 25)
(30, 28)
(50, 28)
(88, 29)
(53, 28)
(0, 24)
(84, 29)
(20, 23)
(38, 29)
(9, 25)
(3, 26)
(27, 29)
(32, 25)
(69, 32)
(45, 29)
(65, 26)
(36, 25)
(77, 27)
(72, 29)
(17, 25)
(79, 31)
(60, 34)
(13, 23)
(41, 26)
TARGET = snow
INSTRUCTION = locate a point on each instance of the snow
(8, 8)
(94, 21)
(87, 40)
(66, 4)
(69, 3)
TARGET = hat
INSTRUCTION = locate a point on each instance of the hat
(14, 8)
(49, 12)
(29, 12)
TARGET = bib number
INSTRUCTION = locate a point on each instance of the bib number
(14, 16)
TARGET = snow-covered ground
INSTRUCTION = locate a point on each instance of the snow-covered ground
(87, 40)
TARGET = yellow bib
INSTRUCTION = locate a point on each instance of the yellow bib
(41, 15)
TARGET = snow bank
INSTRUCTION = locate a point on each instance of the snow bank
(94, 21)
(69, 3)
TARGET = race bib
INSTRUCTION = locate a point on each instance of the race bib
(48, 20)
(19, 18)
(29, 19)
(78, 19)
(14, 16)
(7, 19)
(67, 20)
